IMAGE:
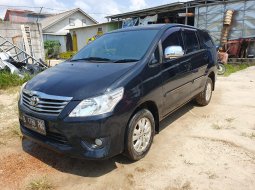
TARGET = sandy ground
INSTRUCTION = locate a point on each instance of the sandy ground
(210, 147)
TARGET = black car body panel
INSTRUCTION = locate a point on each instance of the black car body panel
(164, 84)
(97, 80)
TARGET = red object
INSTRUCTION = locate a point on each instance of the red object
(233, 47)
(14, 15)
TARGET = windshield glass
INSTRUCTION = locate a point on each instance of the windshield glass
(128, 46)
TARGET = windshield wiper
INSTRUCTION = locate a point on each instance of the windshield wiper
(125, 60)
(92, 59)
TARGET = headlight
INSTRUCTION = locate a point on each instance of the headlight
(21, 89)
(98, 105)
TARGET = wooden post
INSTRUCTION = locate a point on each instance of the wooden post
(186, 16)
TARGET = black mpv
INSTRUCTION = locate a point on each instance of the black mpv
(111, 96)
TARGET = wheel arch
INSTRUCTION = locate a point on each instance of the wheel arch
(152, 107)
(212, 77)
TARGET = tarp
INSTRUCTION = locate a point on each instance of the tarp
(211, 17)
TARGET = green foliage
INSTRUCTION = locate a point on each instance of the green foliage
(10, 80)
(52, 48)
(232, 68)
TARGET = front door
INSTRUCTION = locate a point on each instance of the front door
(176, 73)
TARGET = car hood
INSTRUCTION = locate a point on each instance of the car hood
(79, 80)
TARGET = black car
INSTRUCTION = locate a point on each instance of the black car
(111, 96)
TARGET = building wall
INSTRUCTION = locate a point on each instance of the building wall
(211, 19)
(12, 32)
(61, 39)
(84, 33)
(63, 26)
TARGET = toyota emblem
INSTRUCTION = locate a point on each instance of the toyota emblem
(34, 100)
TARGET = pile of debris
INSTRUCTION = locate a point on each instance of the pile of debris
(7, 63)
(17, 61)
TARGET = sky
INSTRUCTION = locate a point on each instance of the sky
(98, 9)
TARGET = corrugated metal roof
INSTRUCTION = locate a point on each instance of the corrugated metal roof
(49, 21)
(152, 10)
(167, 8)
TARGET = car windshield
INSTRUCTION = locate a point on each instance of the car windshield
(118, 47)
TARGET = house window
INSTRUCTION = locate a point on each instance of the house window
(84, 22)
(71, 22)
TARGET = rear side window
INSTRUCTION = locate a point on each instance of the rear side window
(205, 39)
(191, 41)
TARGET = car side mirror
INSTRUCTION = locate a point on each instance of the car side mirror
(172, 52)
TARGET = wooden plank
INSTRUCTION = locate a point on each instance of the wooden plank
(26, 43)
(24, 36)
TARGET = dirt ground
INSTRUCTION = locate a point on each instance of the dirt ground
(210, 147)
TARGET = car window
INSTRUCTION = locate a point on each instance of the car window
(191, 41)
(206, 41)
(156, 54)
(174, 39)
(126, 45)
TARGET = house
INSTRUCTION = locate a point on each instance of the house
(54, 26)
(57, 26)
(24, 16)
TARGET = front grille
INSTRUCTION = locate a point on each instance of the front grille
(51, 136)
(44, 103)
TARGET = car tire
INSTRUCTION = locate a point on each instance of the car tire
(204, 97)
(139, 135)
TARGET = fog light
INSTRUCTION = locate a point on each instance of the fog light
(98, 142)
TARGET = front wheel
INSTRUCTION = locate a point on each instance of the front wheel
(139, 136)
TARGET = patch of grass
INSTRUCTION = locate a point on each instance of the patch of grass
(249, 135)
(216, 126)
(188, 162)
(179, 186)
(2, 142)
(40, 184)
(10, 80)
(230, 119)
(142, 170)
(15, 131)
(232, 68)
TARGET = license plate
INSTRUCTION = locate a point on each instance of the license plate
(34, 124)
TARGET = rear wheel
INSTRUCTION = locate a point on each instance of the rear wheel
(139, 135)
(205, 96)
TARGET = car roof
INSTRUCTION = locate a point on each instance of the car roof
(152, 27)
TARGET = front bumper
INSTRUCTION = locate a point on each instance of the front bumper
(75, 136)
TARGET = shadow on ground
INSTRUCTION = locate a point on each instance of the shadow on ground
(87, 168)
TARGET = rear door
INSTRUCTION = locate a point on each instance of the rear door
(198, 58)
(176, 73)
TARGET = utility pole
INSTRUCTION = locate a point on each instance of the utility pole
(39, 14)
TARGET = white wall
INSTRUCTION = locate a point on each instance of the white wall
(83, 34)
(12, 32)
(63, 26)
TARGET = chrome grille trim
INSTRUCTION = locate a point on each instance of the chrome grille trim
(45, 103)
